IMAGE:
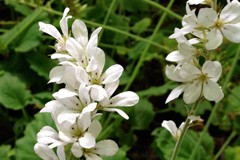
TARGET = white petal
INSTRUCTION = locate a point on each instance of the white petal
(95, 128)
(212, 91)
(61, 153)
(192, 92)
(186, 49)
(56, 74)
(124, 99)
(230, 11)
(99, 56)
(106, 148)
(74, 49)
(174, 56)
(231, 32)
(111, 88)
(172, 72)
(195, 2)
(189, 72)
(87, 141)
(207, 17)
(84, 121)
(92, 65)
(119, 111)
(195, 118)
(80, 32)
(213, 69)
(171, 127)
(93, 39)
(112, 74)
(63, 22)
(61, 56)
(64, 93)
(77, 150)
(91, 156)
(44, 152)
(214, 38)
(89, 108)
(49, 29)
(175, 93)
(97, 93)
(67, 116)
(84, 94)
(82, 76)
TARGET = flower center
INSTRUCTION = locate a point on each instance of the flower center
(218, 24)
(203, 77)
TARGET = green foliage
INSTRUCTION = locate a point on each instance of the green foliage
(13, 93)
(142, 115)
(25, 64)
(24, 145)
(12, 34)
(5, 152)
(141, 26)
(165, 144)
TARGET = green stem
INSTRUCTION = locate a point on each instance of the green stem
(229, 76)
(107, 17)
(141, 59)
(167, 10)
(185, 128)
(137, 38)
(232, 135)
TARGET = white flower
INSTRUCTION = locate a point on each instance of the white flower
(78, 132)
(124, 99)
(226, 24)
(172, 128)
(102, 148)
(46, 153)
(51, 30)
(185, 53)
(196, 82)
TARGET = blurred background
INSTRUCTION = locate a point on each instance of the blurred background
(135, 34)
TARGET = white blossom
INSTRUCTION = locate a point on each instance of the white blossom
(52, 31)
(196, 82)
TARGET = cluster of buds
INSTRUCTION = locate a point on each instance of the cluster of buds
(207, 28)
(88, 91)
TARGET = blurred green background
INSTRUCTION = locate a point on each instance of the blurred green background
(135, 34)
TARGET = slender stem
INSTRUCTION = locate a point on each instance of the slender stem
(107, 17)
(229, 76)
(136, 37)
(185, 128)
(167, 10)
(232, 135)
(141, 59)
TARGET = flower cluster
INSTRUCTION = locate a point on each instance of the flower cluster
(195, 70)
(88, 91)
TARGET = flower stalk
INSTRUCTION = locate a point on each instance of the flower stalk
(184, 130)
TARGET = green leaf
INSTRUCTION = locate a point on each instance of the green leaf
(24, 145)
(41, 64)
(29, 40)
(13, 33)
(23, 9)
(157, 91)
(142, 25)
(120, 155)
(142, 115)
(4, 152)
(166, 143)
(13, 93)
(232, 153)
